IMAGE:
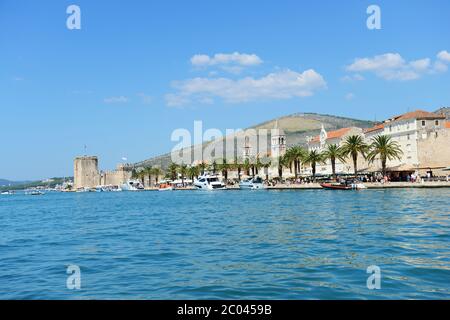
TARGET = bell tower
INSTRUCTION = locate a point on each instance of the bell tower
(278, 142)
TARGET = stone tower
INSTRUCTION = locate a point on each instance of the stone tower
(278, 142)
(85, 172)
(323, 137)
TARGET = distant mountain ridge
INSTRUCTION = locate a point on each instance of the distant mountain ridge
(4, 182)
(297, 126)
(445, 111)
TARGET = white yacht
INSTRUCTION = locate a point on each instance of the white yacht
(252, 183)
(132, 185)
(209, 182)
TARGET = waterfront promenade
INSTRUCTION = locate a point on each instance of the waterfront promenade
(369, 185)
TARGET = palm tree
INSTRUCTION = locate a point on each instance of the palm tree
(246, 166)
(193, 172)
(387, 149)
(141, 175)
(299, 156)
(149, 172)
(333, 152)
(265, 162)
(173, 168)
(353, 146)
(134, 174)
(289, 158)
(313, 158)
(237, 165)
(183, 172)
(224, 167)
(214, 167)
(157, 172)
(202, 166)
(283, 162)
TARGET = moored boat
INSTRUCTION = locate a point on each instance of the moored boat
(132, 185)
(255, 183)
(209, 182)
(344, 185)
(165, 187)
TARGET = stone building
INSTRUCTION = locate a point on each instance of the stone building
(320, 143)
(85, 172)
(423, 138)
(116, 177)
(87, 175)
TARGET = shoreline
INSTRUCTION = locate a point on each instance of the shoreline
(316, 186)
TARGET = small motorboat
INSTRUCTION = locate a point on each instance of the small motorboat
(165, 187)
(255, 183)
(344, 185)
(7, 192)
(335, 186)
(132, 185)
(34, 193)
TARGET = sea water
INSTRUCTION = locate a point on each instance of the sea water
(305, 244)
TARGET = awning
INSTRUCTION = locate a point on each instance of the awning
(402, 168)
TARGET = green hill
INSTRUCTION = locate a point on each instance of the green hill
(297, 127)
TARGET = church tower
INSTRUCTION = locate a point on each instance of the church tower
(278, 142)
(323, 137)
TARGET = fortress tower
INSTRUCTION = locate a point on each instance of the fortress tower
(85, 172)
(278, 142)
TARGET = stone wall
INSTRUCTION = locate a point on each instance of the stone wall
(434, 151)
(115, 178)
(86, 173)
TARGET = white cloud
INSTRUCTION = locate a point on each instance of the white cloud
(283, 84)
(444, 55)
(119, 99)
(235, 58)
(391, 66)
(353, 77)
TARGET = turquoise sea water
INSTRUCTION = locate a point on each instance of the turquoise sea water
(314, 244)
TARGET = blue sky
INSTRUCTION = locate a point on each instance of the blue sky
(137, 70)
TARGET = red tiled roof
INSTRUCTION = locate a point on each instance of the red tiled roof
(418, 114)
(375, 128)
(333, 134)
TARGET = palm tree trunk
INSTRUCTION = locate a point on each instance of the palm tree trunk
(355, 162)
(295, 169)
(333, 167)
(313, 166)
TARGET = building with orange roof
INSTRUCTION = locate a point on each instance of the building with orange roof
(320, 142)
(423, 138)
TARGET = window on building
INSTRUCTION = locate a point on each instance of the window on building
(408, 137)
(436, 123)
(424, 123)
